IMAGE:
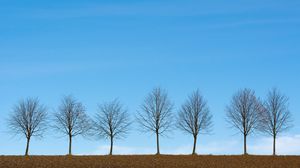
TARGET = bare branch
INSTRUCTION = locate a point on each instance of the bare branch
(71, 119)
(156, 113)
(28, 118)
(244, 113)
(194, 116)
(277, 117)
(111, 121)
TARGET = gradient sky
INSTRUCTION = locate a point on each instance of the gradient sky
(101, 50)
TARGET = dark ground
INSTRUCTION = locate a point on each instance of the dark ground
(150, 161)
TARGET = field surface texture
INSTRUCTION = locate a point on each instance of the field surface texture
(148, 161)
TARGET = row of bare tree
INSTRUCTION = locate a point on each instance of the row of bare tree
(30, 118)
(246, 113)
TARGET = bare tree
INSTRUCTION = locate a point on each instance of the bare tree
(156, 114)
(71, 119)
(244, 113)
(28, 118)
(194, 117)
(277, 117)
(111, 122)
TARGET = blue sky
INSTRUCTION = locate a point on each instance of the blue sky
(101, 50)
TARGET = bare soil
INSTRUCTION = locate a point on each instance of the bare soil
(150, 161)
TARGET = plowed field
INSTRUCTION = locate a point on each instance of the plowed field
(150, 161)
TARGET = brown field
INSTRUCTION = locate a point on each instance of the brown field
(150, 161)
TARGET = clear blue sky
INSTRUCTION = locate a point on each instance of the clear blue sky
(101, 50)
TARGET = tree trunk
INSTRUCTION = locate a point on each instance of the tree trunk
(157, 143)
(111, 145)
(27, 147)
(194, 147)
(70, 145)
(274, 145)
(245, 144)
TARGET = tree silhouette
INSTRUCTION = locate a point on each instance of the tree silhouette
(156, 114)
(194, 117)
(244, 113)
(28, 118)
(111, 122)
(71, 119)
(277, 117)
